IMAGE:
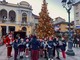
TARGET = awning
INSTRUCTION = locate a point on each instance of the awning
(77, 27)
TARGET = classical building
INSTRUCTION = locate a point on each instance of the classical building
(15, 17)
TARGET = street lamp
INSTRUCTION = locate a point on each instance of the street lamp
(68, 5)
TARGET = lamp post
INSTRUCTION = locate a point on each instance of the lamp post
(67, 4)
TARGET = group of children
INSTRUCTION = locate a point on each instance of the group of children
(21, 46)
(52, 46)
(48, 47)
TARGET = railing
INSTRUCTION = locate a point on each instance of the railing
(7, 21)
(27, 24)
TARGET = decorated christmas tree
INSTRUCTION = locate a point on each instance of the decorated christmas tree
(45, 26)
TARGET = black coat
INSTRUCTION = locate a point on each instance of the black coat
(63, 46)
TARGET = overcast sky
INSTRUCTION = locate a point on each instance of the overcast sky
(55, 8)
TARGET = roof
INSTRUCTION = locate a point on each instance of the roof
(59, 17)
(35, 16)
(22, 4)
(61, 23)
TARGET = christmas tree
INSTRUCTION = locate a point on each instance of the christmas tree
(45, 26)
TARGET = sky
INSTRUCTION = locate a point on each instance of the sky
(55, 8)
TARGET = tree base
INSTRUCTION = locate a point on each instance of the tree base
(70, 53)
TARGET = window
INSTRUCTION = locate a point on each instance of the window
(76, 6)
(24, 18)
(77, 22)
(3, 14)
(77, 14)
(12, 15)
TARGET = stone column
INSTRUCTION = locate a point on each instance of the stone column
(7, 29)
(18, 16)
(8, 17)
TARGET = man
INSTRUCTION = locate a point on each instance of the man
(35, 45)
(8, 41)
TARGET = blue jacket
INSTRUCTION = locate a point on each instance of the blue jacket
(34, 44)
(15, 45)
(63, 47)
(50, 44)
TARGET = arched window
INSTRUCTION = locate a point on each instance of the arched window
(24, 29)
(24, 18)
(12, 15)
(3, 14)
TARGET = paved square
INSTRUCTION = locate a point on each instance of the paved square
(3, 55)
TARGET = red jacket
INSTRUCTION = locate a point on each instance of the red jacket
(8, 41)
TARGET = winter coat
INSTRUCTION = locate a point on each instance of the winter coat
(34, 44)
(8, 42)
(22, 44)
(45, 45)
(41, 45)
(57, 44)
(50, 44)
(63, 46)
(15, 45)
(54, 42)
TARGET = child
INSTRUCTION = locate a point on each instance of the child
(45, 47)
(21, 47)
(41, 47)
(63, 47)
(58, 44)
(15, 45)
(27, 47)
(50, 49)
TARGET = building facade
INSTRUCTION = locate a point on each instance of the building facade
(58, 20)
(15, 17)
(77, 15)
(60, 24)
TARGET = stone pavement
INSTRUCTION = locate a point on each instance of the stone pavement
(3, 54)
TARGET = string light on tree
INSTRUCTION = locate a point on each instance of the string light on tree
(45, 27)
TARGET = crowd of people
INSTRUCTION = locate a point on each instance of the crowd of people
(48, 47)
(76, 40)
